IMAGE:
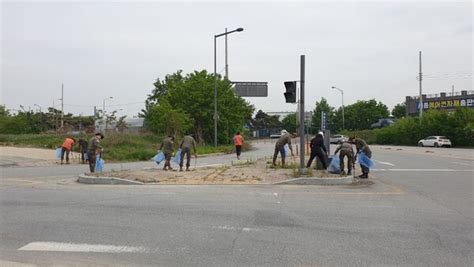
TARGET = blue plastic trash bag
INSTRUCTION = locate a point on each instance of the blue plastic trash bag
(286, 149)
(177, 157)
(99, 164)
(159, 157)
(59, 151)
(334, 166)
(362, 159)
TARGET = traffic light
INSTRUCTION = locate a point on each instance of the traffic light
(290, 94)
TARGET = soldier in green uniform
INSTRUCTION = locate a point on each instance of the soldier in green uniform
(280, 147)
(93, 149)
(345, 150)
(167, 147)
(186, 145)
(362, 146)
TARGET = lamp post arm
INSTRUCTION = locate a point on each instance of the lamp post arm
(226, 33)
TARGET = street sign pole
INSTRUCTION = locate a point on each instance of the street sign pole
(323, 120)
(301, 130)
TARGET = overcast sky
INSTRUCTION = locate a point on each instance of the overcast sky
(102, 48)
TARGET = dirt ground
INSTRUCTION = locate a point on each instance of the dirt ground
(31, 157)
(256, 172)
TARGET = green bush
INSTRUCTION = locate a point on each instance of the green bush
(32, 140)
(406, 131)
(367, 135)
(457, 125)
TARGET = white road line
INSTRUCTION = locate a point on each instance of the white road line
(385, 163)
(232, 228)
(71, 247)
(246, 229)
(210, 165)
(464, 164)
(422, 170)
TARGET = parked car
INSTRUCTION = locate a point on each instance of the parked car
(382, 123)
(275, 135)
(338, 139)
(435, 141)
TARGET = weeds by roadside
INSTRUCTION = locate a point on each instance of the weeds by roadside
(117, 147)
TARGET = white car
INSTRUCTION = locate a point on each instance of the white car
(276, 135)
(338, 139)
(435, 141)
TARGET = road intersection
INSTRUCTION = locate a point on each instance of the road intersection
(416, 210)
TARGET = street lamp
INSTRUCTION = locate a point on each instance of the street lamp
(55, 115)
(342, 95)
(215, 80)
(103, 112)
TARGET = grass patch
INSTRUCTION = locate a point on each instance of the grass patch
(31, 140)
(117, 147)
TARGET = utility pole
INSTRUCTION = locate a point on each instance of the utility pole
(55, 118)
(80, 123)
(95, 117)
(452, 90)
(226, 62)
(421, 94)
(301, 105)
(62, 106)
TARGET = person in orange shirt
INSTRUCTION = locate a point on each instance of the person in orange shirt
(238, 142)
(66, 148)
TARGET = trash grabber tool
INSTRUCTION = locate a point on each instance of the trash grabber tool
(353, 170)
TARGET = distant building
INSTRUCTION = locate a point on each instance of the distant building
(282, 114)
(446, 101)
(134, 125)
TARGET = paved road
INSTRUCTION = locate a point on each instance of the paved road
(419, 211)
(263, 149)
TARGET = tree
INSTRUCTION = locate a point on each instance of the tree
(193, 94)
(4, 111)
(362, 114)
(168, 120)
(316, 119)
(29, 121)
(267, 123)
(400, 110)
(121, 125)
(161, 90)
(289, 123)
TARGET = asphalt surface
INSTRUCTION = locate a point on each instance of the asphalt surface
(418, 211)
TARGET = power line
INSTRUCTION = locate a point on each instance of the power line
(116, 105)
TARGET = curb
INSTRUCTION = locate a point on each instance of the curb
(317, 181)
(84, 179)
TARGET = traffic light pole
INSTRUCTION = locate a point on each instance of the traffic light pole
(301, 130)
